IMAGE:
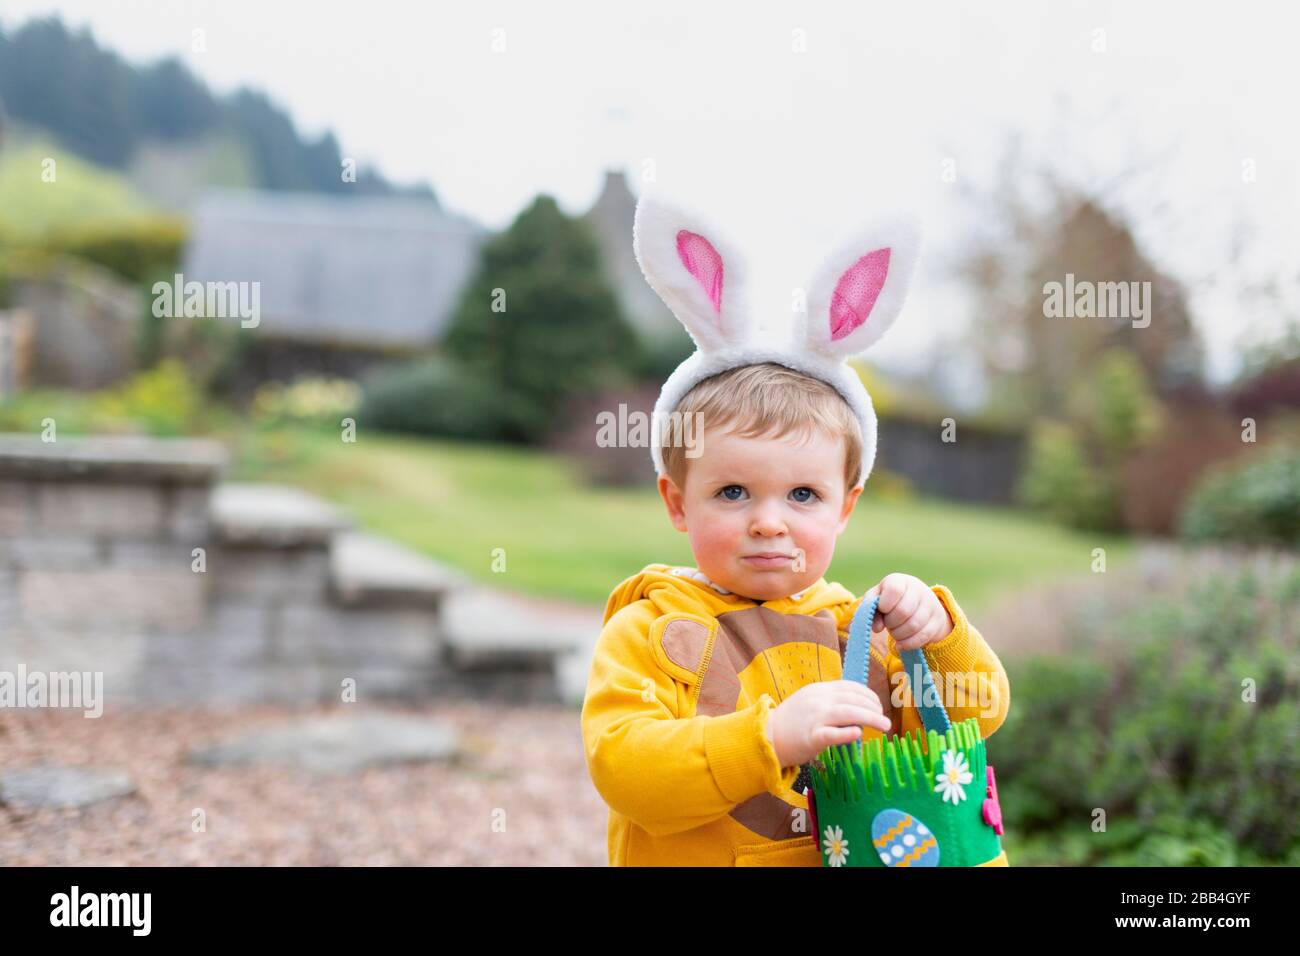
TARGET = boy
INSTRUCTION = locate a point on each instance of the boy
(711, 686)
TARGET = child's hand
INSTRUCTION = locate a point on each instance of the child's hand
(910, 609)
(822, 714)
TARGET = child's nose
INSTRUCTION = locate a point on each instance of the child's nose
(767, 521)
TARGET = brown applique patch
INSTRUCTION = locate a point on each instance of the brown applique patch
(684, 642)
(742, 636)
(767, 815)
(745, 634)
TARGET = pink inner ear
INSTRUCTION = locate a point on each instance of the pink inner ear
(702, 261)
(856, 292)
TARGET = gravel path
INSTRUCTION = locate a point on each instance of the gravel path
(527, 762)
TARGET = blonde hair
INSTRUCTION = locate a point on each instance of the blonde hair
(764, 400)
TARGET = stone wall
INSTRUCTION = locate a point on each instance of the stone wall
(17, 332)
(124, 556)
(85, 328)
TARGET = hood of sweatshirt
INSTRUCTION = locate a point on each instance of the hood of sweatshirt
(675, 588)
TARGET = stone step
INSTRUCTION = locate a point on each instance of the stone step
(487, 629)
(369, 571)
(273, 516)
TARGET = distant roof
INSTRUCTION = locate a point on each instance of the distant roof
(382, 270)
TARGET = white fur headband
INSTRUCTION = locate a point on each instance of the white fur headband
(703, 278)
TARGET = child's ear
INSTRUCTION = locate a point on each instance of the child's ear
(850, 501)
(674, 500)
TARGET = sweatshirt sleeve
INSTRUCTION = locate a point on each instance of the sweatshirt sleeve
(963, 665)
(967, 674)
(664, 772)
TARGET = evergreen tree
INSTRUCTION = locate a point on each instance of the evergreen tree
(102, 108)
(540, 320)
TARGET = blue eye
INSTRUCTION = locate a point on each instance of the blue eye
(724, 491)
(805, 500)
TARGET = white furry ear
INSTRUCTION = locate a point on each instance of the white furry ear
(697, 271)
(859, 290)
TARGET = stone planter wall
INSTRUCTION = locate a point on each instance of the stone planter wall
(126, 558)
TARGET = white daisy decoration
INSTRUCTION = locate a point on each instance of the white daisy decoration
(953, 777)
(835, 846)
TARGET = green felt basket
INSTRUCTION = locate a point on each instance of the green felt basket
(923, 798)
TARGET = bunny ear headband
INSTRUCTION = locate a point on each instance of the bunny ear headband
(703, 278)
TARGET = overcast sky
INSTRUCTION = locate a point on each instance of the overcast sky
(785, 121)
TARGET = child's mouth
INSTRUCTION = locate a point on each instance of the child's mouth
(766, 561)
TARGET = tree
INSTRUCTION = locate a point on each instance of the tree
(1039, 230)
(104, 109)
(540, 321)
(1074, 470)
(172, 103)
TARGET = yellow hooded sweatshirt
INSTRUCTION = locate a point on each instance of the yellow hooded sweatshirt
(675, 714)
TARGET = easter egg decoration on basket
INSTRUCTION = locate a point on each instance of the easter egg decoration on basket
(920, 799)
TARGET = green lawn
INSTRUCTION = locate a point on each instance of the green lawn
(457, 502)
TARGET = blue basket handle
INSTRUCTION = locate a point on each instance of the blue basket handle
(858, 664)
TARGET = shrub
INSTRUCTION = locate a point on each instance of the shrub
(1151, 724)
(307, 401)
(1255, 501)
(162, 400)
(136, 251)
(1115, 405)
(888, 486)
(434, 396)
(1075, 470)
(1060, 480)
(72, 412)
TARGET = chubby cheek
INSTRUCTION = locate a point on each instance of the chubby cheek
(717, 539)
(817, 542)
